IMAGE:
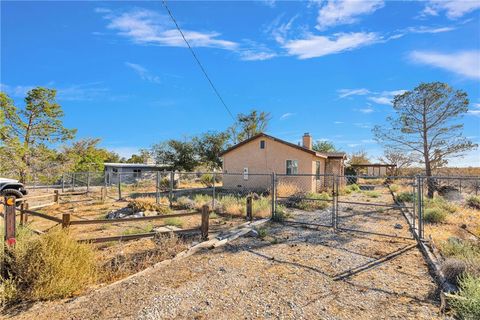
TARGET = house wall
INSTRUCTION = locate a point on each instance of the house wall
(271, 159)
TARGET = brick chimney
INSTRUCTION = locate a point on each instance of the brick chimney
(307, 141)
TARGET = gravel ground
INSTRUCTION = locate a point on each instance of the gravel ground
(293, 272)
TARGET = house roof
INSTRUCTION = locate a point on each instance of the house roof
(134, 165)
(312, 152)
(375, 165)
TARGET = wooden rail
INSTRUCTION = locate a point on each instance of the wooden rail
(103, 221)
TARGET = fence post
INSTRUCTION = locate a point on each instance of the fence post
(88, 182)
(9, 219)
(157, 188)
(205, 218)
(25, 214)
(119, 181)
(335, 183)
(213, 192)
(420, 206)
(63, 182)
(249, 209)
(170, 187)
(65, 220)
(56, 197)
(274, 195)
(73, 181)
(22, 208)
(103, 194)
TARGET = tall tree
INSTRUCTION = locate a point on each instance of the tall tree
(358, 157)
(179, 154)
(38, 123)
(209, 146)
(248, 125)
(323, 146)
(85, 155)
(427, 124)
(143, 157)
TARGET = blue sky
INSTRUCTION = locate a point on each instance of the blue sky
(328, 68)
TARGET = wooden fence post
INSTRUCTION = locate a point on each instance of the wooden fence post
(63, 182)
(56, 197)
(9, 219)
(205, 218)
(157, 188)
(22, 207)
(88, 182)
(65, 220)
(249, 209)
(119, 178)
(25, 214)
(103, 194)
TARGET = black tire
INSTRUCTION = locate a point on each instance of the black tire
(12, 193)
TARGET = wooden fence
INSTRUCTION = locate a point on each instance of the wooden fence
(67, 222)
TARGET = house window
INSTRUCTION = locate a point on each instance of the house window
(318, 171)
(292, 167)
(262, 144)
(115, 170)
(137, 173)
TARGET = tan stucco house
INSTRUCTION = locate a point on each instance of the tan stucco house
(263, 153)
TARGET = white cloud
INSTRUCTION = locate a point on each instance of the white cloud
(367, 110)
(426, 29)
(333, 13)
(148, 27)
(363, 125)
(143, 72)
(74, 92)
(338, 122)
(343, 93)
(385, 97)
(464, 63)
(353, 145)
(476, 111)
(453, 8)
(286, 115)
(317, 46)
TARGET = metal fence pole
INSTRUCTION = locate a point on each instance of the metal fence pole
(414, 209)
(274, 195)
(73, 181)
(170, 191)
(420, 205)
(157, 188)
(63, 183)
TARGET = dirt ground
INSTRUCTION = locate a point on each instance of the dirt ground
(292, 271)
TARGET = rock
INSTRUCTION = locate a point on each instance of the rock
(398, 226)
(120, 213)
(252, 233)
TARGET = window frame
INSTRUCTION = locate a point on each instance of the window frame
(318, 167)
(291, 167)
(262, 144)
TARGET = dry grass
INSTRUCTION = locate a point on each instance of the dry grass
(285, 189)
(123, 262)
(149, 204)
(49, 266)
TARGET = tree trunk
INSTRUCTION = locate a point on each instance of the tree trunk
(426, 154)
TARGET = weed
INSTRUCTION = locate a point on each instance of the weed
(281, 214)
(176, 222)
(406, 197)
(434, 215)
(394, 187)
(207, 180)
(465, 251)
(49, 266)
(262, 207)
(144, 229)
(285, 189)
(352, 188)
(474, 202)
(262, 232)
(149, 204)
(372, 194)
(453, 268)
(466, 302)
(185, 203)
(441, 203)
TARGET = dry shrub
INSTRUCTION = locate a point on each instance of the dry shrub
(453, 268)
(474, 202)
(149, 204)
(233, 206)
(434, 215)
(394, 187)
(49, 266)
(166, 247)
(262, 207)
(464, 250)
(316, 201)
(285, 189)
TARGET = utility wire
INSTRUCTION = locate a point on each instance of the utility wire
(197, 60)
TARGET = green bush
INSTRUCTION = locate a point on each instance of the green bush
(149, 204)
(176, 222)
(372, 194)
(474, 202)
(352, 188)
(434, 215)
(466, 302)
(281, 213)
(406, 197)
(394, 187)
(314, 201)
(441, 203)
(48, 266)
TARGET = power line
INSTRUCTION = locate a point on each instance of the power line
(197, 60)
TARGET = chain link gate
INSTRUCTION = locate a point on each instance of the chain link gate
(305, 198)
(384, 206)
